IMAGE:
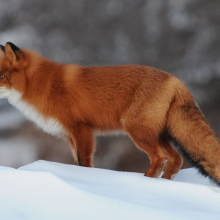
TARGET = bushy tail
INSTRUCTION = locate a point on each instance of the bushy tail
(189, 130)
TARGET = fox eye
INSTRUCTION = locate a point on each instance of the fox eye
(2, 76)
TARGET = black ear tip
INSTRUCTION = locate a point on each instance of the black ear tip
(10, 43)
(2, 48)
(13, 47)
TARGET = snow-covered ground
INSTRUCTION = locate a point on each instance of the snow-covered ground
(48, 190)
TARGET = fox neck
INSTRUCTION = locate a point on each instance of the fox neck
(33, 101)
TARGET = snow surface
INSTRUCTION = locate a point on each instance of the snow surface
(48, 190)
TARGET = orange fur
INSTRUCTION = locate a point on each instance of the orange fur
(149, 104)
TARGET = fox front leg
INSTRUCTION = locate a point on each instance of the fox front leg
(82, 144)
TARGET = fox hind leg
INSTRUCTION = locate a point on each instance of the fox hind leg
(148, 142)
(174, 162)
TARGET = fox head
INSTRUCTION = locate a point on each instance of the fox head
(13, 66)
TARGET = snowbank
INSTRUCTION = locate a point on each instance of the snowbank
(48, 190)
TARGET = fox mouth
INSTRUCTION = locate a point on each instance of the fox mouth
(4, 92)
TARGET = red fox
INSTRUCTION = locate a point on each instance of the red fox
(73, 102)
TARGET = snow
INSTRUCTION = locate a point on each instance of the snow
(48, 190)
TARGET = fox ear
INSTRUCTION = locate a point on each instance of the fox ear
(12, 51)
(2, 50)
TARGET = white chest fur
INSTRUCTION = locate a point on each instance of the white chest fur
(50, 125)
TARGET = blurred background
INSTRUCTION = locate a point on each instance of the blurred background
(178, 36)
